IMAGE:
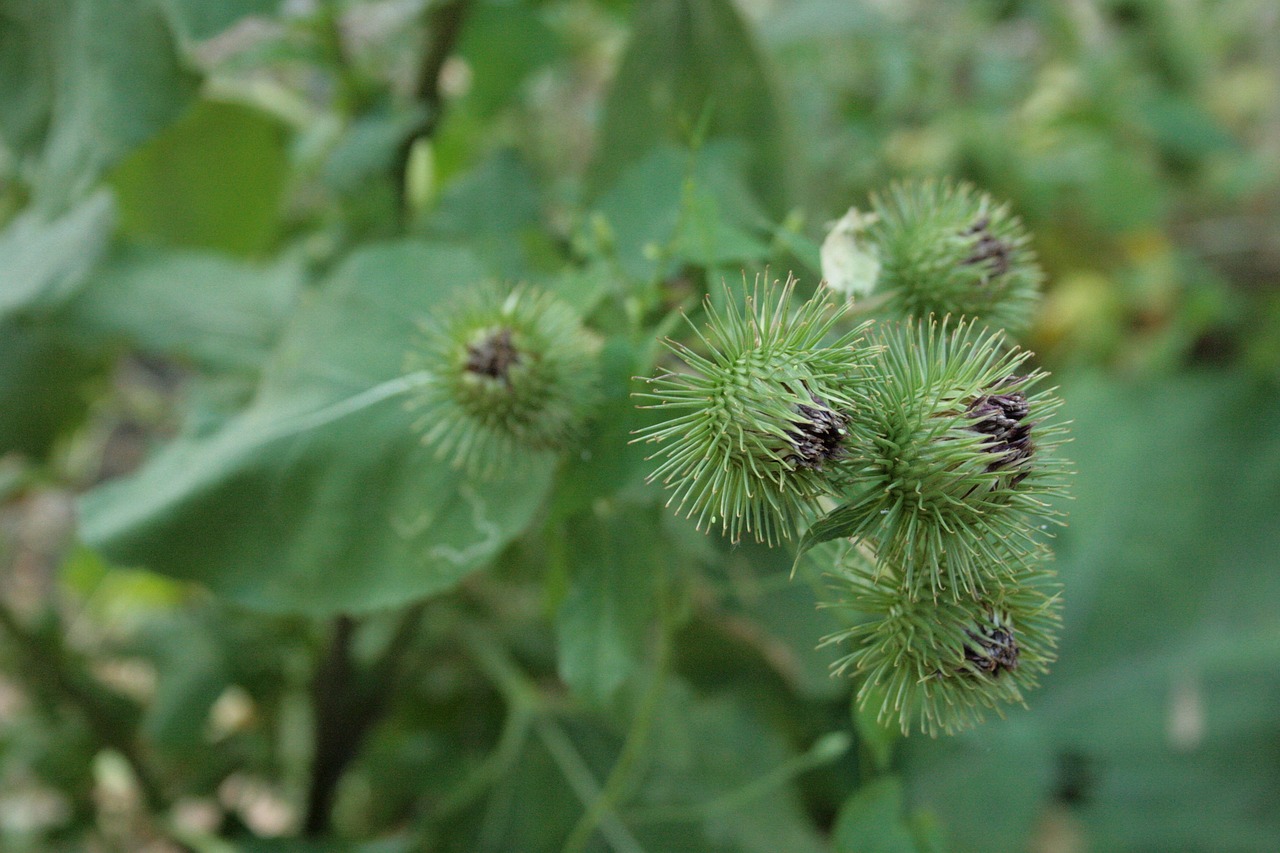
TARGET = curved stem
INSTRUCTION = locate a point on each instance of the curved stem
(620, 777)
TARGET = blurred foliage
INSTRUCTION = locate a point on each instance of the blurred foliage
(220, 222)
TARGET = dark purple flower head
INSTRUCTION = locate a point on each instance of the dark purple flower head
(493, 356)
(818, 436)
(992, 650)
(987, 249)
(1003, 418)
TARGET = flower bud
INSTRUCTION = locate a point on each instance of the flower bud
(948, 249)
(756, 419)
(960, 452)
(505, 372)
(939, 665)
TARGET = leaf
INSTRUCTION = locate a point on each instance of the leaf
(96, 79)
(838, 523)
(46, 261)
(320, 498)
(1153, 728)
(724, 777)
(214, 180)
(672, 207)
(871, 821)
(614, 561)
(876, 737)
(605, 463)
(693, 73)
(220, 313)
(366, 151)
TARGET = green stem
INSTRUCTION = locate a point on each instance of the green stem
(580, 778)
(622, 774)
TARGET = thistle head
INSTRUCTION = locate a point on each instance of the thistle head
(960, 452)
(505, 371)
(940, 665)
(759, 414)
(948, 249)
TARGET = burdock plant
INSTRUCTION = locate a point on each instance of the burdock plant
(927, 443)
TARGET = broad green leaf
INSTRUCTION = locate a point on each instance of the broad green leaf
(614, 561)
(97, 78)
(220, 313)
(1153, 727)
(693, 73)
(872, 820)
(44, 261)
(320, 498)
(213, 180)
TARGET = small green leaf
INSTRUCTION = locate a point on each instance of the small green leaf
(877, 737)
(693, 73)
(496, 207)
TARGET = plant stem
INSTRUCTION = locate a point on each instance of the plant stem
(444, 26)
(620, 776)
(346, 705)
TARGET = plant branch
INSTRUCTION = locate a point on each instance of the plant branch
(620, 777)
(347, 704)
(444, 26)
